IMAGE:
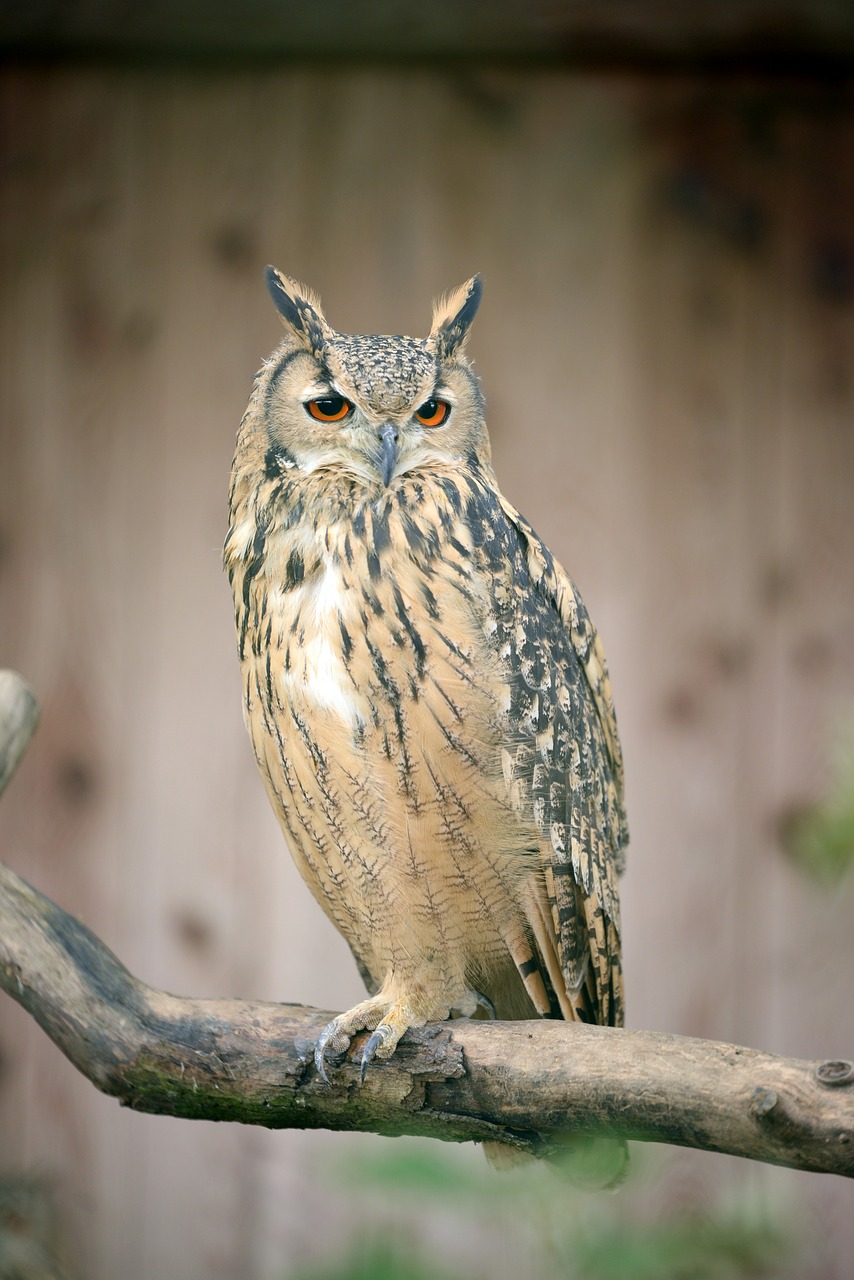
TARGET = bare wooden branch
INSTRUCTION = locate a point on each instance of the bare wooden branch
(522, 1084)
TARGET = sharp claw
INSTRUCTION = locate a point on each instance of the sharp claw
(379, 1037)
(321, 1069)
(320, 1052)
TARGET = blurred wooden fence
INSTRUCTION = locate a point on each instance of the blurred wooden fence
(667, 349)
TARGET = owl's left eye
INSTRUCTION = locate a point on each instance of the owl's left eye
(433, 413)
(329, 408)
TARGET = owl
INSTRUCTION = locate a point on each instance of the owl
(426, 696)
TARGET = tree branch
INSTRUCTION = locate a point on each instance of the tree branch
(522, 1084)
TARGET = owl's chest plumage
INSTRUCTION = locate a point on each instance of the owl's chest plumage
(378, 702)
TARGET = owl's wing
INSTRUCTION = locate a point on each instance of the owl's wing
(568, 752)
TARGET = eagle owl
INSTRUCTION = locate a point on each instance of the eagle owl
(426, 696)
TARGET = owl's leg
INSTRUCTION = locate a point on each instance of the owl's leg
(386, 1017)
(336, 1035)
(400, 1018)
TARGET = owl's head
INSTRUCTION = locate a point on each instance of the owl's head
(371, 407)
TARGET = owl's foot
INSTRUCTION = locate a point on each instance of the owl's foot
(387, 1020)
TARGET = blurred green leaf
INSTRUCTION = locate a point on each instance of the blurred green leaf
(819, 838)
(412, 1168)
(820, 841)
(418, 1169)
(564, 1233)
(373, 1260)
(707, 1248)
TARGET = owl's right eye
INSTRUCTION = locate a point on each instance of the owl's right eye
(329, 408)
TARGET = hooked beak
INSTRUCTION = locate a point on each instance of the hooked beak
(388, 451)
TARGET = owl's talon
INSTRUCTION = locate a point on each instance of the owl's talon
(376, 1041)
(320, 1049)
(319, 1064)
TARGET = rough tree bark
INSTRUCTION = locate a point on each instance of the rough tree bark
(522, 1084)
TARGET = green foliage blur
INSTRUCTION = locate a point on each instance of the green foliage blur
(422, 1214)
(820, 838)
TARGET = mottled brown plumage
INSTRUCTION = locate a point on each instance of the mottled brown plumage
(426, 696)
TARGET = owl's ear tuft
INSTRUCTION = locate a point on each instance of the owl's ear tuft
(299, 309)
(452, 317)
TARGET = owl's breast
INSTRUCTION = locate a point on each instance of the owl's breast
(312, 625)
(377, 703)
(371, 630)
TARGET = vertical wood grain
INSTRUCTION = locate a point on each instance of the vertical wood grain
(666, 344)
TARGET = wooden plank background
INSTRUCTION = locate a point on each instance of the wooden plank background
(666, 345)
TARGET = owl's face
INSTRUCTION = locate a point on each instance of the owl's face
(372, 407)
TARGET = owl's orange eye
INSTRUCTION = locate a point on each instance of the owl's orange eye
(329, 408)
(433, 413)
